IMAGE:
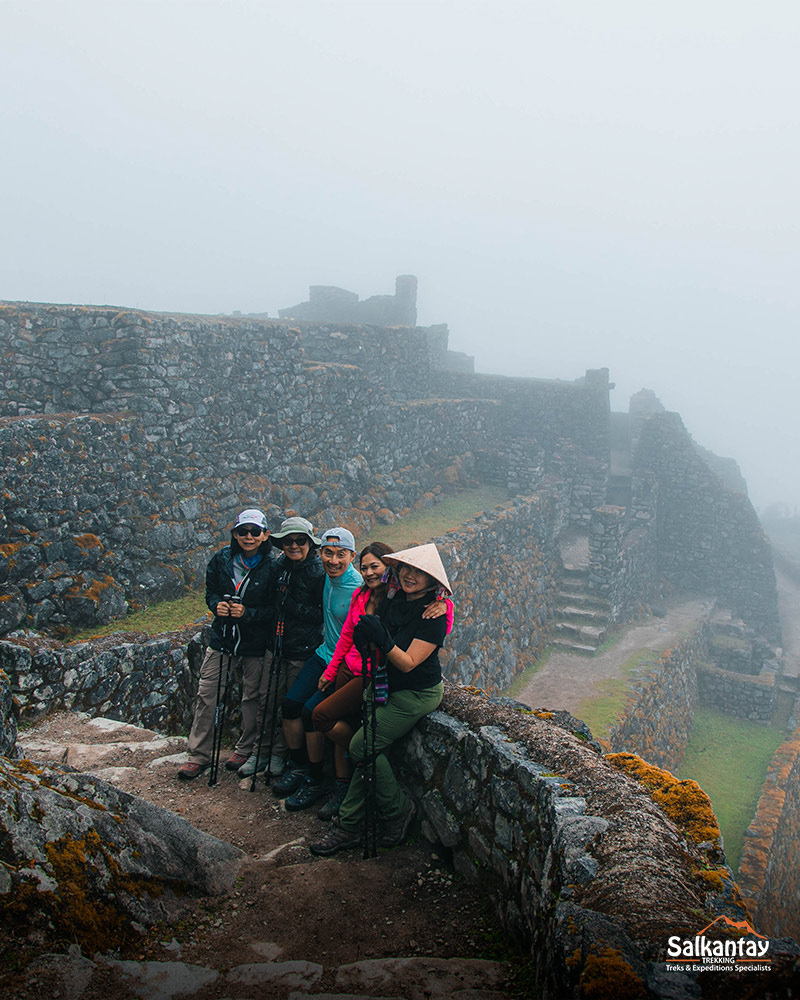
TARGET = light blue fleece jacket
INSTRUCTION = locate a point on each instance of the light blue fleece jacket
(336, 597)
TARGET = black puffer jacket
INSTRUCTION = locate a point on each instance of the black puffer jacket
(297, 593)
(258, 593)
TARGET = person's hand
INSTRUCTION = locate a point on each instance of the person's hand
(223, 609)
(324, 684)
(370, 631)
(237, 609)
(435, 610)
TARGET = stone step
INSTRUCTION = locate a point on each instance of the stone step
(580, 649)
(580, 633)
(583, 599)
(572, 613)
(573, 574)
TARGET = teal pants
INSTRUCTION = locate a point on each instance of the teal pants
(394, 719)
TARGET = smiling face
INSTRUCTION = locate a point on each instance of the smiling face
(249, 542)
(372, 569)
(335, 560)
(413, 581)
(296, 547)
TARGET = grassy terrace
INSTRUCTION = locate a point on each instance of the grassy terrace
(728, 758)
(445, 516)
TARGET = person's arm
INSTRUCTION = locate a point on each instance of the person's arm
(214, 600)
(438, 608)
(406, 660)
(371, 631)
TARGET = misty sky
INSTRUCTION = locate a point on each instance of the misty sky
(575, 184)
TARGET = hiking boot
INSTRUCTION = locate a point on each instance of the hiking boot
(336, 798)
(395, 830)
(250, 767)
(277, 765)
(336, 839)
(290, 782)
(190, 771)
(306, 795)
(235, 761)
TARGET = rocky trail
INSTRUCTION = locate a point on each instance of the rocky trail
(295, 926)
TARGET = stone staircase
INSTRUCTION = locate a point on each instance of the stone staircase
(581, 618)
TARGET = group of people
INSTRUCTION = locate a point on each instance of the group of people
(326, 650)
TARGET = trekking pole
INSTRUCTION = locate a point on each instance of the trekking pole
(273, 682)
(369, 715)
(230, 640)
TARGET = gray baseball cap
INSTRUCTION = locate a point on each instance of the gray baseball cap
(339, 538)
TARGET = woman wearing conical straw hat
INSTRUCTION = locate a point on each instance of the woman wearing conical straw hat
(409, 645)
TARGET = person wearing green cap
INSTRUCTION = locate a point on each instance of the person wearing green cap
(293, 633)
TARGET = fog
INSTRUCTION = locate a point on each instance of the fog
(575, 184)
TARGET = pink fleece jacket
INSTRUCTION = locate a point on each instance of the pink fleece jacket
(345, 651)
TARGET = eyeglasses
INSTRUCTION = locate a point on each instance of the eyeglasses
(245, 530)
(297, 540)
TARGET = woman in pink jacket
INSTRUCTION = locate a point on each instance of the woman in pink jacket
(339, 714)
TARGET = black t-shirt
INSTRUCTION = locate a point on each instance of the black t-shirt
(405, 623)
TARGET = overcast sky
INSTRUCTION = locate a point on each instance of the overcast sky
(575, 184)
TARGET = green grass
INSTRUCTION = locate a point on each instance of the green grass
(164, 617)
(601, 710)
(449, 514)
(728, 758)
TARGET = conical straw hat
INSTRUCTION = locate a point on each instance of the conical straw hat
(424, 557)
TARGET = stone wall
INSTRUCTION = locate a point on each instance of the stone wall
(190, 419)
(623, 565)
(745, 697)
(327, 303)
(147, 682)
(658, 716)
(768, 872)
(537, 820)
(503, 567)
(708, 538)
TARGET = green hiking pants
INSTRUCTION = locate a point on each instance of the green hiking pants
(394, 719)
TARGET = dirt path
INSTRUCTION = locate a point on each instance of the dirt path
(568, 679)
(289, 906)
(789, 604)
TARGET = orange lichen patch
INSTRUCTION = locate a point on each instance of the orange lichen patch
(684, 802)
(543, 715)
(84, 905)
(87, 542)
(8, 551)
(573, 959)
(475, 690)
(714, 878)
(607, 976)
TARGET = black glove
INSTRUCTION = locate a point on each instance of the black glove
(370, 631)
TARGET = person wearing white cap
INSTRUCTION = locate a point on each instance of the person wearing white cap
(239, 582)
(409, 647)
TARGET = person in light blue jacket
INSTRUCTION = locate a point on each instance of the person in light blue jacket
(302, 782)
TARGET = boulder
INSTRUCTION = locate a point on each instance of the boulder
(86, 861)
